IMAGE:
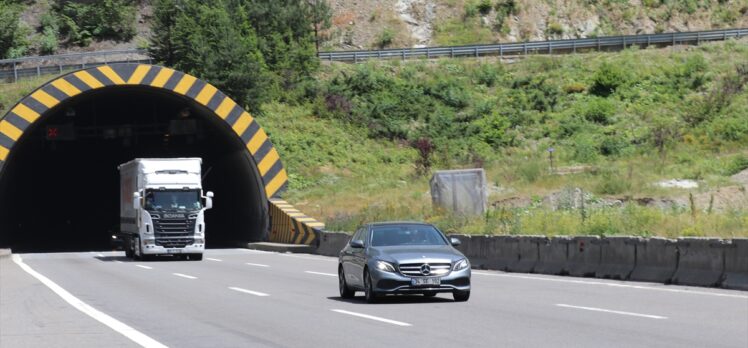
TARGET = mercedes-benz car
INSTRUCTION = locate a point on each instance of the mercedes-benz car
(402, 258)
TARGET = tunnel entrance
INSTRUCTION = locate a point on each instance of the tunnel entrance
(59, 186)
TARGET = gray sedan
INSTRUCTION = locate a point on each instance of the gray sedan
(402, 258)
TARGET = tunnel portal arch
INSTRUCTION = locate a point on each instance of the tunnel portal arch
(284, 223)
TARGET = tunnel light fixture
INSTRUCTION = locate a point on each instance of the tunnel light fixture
(70, 112)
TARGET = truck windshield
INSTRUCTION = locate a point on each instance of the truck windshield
(173, 200)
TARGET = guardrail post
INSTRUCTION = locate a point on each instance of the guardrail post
(355, 57)
(451, 52)
(476, 52)
(598, 43)
(59, 66)
(403, 52)
(501, 51)
(524, 45)
(649, 40)
(673, 35)
(550, 47)
(15, 72)
(574, 46)
(698, 38)
(38, 71)
(379, 54)
(624, 42)
(428, 53)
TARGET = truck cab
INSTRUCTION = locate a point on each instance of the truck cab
(163, 208)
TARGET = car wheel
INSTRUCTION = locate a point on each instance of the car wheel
(345, 291)
(461, 296)
(369, 293)
(429, 294)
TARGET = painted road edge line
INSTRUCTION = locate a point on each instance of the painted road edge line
(256, 264)
(212, 259)
(256, 293)
(650, 316)
(551, 278)
(144, 267)
(116, 325)
(321, 273)
(371, 317)
(184, 276)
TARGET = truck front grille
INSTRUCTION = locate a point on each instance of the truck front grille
(174, 227)
(174, 242)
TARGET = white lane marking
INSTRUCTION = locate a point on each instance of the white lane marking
(118, 261)
(116, 325)
(615, 285)
(212, 259)
(256, 264)
(184, 276)
(310, 257)
(256, 293)
(99, 255)
(146, 267)
(366, 316)
(320, 273)
(650, 316)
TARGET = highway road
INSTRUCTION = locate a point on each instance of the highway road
(246, 298)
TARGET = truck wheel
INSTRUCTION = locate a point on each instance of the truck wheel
(128, 248)
(196, 257)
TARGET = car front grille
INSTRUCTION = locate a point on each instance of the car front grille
(425, 269)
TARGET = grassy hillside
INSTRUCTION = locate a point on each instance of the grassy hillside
(619, 123)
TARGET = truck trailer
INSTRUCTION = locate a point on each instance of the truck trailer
(162, 208)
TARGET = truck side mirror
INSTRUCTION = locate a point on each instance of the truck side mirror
(136, 200)
(209, 200)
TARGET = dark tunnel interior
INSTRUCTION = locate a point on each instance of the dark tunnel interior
(60, 186)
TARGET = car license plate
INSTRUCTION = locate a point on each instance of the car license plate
(173, 251)
(425, 281)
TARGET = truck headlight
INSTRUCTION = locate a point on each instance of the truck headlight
(385, 266)
(461, 264)
(198, 241)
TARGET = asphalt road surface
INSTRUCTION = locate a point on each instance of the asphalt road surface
(245, 298)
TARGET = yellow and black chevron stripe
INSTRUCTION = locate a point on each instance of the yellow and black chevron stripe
(46, 97)
(288, 225)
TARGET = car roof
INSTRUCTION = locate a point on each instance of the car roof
(387, 223)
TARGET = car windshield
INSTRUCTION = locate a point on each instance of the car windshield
(173, 200)
(391, 235)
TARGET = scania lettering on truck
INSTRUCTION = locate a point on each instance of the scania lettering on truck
(162, 207)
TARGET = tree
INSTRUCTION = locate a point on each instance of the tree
(12, 35)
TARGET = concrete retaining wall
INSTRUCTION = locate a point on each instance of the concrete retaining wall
(656, 260)
(552, 256)
(584, 256)
(688, 261)
(736, 265)
(617, 257)
(701, 261)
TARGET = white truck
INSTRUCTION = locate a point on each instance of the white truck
(162, 208)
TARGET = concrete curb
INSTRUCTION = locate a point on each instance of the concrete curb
(701, 261)
(5, 253)
(331, 243)
(281, 248)
(736, 265)
(528, 248)
(617, 258)
(656, 260)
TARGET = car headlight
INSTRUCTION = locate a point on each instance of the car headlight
(385, 266)
(460, 265)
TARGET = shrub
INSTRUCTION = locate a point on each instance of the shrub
(484, 7)
(471, 9)
(599, 110)
(487, 74)
(585, 149)
(555, 29)
(736, 165)
(612, 183)
(531, 170)
(607, 79)
(105, 19)
(385, 38)
(575, 87)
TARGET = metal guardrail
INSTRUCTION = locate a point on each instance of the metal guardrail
(55, 64)
(536, 47)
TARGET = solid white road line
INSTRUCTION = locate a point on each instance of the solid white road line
(366, 316)
(146, 267)
(118, 261)
(612, 311)
(615, 285)
(184, 276)
(116, 325)
(256, 264)
(99, 255)
(212, 259)
(256, 293)
(320, 273)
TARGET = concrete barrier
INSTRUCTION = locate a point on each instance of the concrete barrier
(617, 257)
(700, 261)
(656, 260)
(528, 248)
(552, 256)
(584, 256)
(736, 265)
(331, 243)
(5, 253)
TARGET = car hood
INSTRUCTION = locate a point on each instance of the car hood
(417, 253)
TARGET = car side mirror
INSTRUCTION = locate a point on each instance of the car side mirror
(136, 200)
(359, 244)
(455, 241)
